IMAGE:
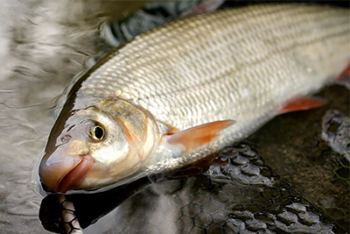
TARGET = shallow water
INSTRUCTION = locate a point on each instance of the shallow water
(44, 44)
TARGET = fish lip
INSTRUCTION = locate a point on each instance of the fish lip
(54, 167)
(76, 175)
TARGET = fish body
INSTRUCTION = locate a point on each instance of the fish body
(185, 90)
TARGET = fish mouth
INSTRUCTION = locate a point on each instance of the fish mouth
(76, 176)
(60, 172)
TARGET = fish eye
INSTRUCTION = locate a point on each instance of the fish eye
(97, 132)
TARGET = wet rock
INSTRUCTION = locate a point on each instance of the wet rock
(287, 217)
(336, 132)
(309, 218)
(255, 225)
(251, 170)
(296, 207)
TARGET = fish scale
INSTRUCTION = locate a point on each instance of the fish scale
(192, 66)
(241, 64)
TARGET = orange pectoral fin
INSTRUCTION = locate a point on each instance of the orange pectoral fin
(194, 137)
(304, 103)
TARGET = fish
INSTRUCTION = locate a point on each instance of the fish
(181, 92)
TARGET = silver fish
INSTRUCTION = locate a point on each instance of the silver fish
(183, 91)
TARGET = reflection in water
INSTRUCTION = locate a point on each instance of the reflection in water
(43, 44)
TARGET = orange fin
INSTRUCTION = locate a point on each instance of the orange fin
(344, 73)
(193, 137)
(305, 103)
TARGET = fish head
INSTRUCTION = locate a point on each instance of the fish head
(97, 147)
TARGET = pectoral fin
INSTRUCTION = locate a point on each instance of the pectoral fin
(304, 103)
(195, 137)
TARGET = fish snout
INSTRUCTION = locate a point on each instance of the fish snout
(60, 172)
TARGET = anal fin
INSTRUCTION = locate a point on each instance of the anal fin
(304, 103)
